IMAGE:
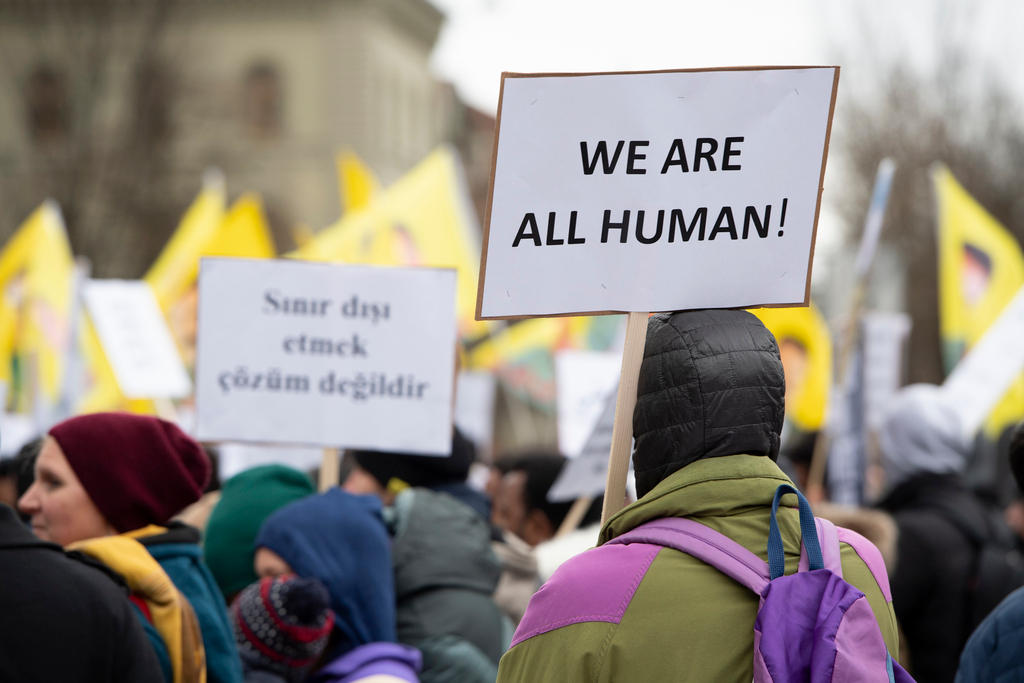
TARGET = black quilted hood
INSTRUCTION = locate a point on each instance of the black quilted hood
(711, 384)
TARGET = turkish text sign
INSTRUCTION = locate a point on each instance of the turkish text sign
(328, 355)
(655, 191)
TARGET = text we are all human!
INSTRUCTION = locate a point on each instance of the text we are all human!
(650, 226)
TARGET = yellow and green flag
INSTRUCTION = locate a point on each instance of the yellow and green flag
(980, 270)
(805, 345)
(423, 219)
(36, 274)
(175, 269)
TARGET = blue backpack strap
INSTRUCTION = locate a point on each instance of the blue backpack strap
(808, 533)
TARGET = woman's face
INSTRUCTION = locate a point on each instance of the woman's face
(268, 563)
(61, 510)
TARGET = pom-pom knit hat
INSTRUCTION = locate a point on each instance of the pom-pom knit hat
(281, 625)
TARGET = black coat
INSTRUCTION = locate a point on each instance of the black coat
(64, 619)
(935, 563)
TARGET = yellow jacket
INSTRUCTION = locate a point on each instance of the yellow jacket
(172, 615)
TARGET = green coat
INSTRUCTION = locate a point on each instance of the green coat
(612, 615)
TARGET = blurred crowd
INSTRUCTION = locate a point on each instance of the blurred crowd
(125, 559)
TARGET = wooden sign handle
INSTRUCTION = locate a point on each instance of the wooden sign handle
(330, 469)
(574, 516)
(622, 432)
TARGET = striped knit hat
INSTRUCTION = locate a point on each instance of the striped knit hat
(281, 625)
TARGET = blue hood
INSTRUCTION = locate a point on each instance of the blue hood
(340, 539)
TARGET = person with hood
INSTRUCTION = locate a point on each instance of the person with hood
(108, 484)
(706, 424)
(941, 529)
(65, 619)
(445, 576)
(995, 651)
(247, 499)
(340, 539)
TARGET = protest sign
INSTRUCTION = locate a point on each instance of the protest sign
(292, 352)
(884, 336)
(136, 339)
(584, 380)
(655, 191)
(982, 377)
(586, 474)
(475, 393)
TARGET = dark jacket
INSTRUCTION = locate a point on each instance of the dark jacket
(180, 555)
(934, 565)
(994, 652)
(64, 619)
(445, 575)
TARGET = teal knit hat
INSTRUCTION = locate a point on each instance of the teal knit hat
(246, 500)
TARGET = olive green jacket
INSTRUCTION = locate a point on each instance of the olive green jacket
(620, 613)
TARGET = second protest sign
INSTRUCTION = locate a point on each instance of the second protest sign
(327, 355)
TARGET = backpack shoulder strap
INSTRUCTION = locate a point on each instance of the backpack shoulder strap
(705, 544)
(870, 556)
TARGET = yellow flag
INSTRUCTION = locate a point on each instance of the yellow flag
(243, 232)
(177, 266)
(423, 219)
(980, 270)
(515, 341)
(101, 389)
(42, 289)
(806, 349)
(14, 259)
(357, 184)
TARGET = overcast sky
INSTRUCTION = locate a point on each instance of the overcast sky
(482, 38)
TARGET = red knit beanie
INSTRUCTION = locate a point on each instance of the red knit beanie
(137, 470)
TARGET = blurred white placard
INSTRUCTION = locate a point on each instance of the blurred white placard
(291, 352)
(16, 430)
(136, 339)
(583, 380)
(587, 473)
(884, 335)
(474, 409)
(655, 191)
(989, 368)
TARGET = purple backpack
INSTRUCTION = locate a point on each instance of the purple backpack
(811, 625)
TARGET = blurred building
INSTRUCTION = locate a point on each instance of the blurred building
(115, 107)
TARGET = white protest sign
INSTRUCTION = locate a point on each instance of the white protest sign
(884, 335)
(291, 352)
(655, 191)
(982, 377)
(587, 473)
(136, 339)
(583, 380)
(474, 409)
